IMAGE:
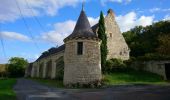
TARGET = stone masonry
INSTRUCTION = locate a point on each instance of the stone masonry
(83, 68)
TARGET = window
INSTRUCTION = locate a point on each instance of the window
(111, 35)
(80, 48)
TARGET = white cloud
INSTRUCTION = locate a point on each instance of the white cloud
(130, 20)
(14, 36)
(125, 22)
(153, 10)
(167, 17)
(62, 30)
(103, 2)
(10, 12)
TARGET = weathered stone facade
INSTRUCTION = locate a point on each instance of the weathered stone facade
(42, 68)
(157, 67)
(116, 44)
(82, 68)
(117, 47)
(86, 67)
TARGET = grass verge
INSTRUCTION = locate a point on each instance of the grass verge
(133, 77)
(6, 89)
(128, 77)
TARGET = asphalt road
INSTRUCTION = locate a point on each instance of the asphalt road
(30, 90)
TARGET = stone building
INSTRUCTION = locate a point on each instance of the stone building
(80, 56)
(117, 47)
(161, 67)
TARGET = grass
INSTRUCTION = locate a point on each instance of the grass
(132, 77)
(48, 82)
(117, 78)
(6, 91)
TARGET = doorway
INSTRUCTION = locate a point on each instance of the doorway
(167, 71)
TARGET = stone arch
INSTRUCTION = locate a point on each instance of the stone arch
(41, 69)
(35, 71)
(59, 64)
(49, 69)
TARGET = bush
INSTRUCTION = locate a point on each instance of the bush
(115, 65)
(129, 61)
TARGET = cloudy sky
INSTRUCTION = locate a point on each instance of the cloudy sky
(29, 27)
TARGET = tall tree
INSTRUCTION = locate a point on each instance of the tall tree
(103, 37)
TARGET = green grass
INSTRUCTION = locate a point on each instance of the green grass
(132, 77)
(6, 91)
(48, 82)
(117, 78)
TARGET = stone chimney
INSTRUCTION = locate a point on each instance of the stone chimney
(111, 12)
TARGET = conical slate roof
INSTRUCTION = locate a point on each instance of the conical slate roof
(82, 28)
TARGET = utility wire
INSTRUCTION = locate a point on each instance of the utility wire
(36, 19)
(29, 31)
(2, 42)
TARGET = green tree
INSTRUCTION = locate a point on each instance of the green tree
(146, 40)
(103, 37)
(164, 44)
(16, 67)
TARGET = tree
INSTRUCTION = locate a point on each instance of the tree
(164, 44)
(146, 40)
(103, 37)
(16, 67)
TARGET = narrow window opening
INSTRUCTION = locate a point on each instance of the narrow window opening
(111, 35)
(80, 48)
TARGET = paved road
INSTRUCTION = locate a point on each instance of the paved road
(30, 90)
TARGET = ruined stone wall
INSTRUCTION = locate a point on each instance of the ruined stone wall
(82, 68)
(117, 47)
(157, 67)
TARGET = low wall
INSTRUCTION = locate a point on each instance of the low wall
(157, 67)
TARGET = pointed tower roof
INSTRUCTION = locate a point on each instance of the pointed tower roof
(82, 28)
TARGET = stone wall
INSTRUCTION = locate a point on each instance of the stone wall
(41, 69)
(82, 68)
(117, 47)
(157, 67)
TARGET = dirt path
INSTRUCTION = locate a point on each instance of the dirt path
(30, 90)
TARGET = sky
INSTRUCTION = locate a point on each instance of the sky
(30, 27)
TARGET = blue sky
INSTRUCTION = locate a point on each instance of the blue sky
(48, 22)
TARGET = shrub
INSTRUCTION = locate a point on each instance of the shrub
(115, 65)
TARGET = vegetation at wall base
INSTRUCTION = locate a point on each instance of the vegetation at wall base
(113, 65)
(103, 37)
(6, 89)
(130, 76)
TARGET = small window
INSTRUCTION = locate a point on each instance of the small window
(111, 35)
(80, 48)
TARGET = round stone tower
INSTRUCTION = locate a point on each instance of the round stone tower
(82, 57)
